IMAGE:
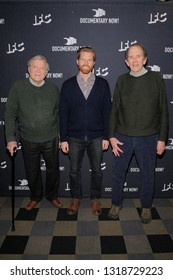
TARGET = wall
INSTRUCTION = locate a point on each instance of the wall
(57, 30)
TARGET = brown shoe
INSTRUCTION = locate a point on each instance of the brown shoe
(146, 217)
(57, 203)
(73, 208)
(31, 204)
(95, 205)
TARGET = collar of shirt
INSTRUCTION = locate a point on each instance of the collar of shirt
(140, 73)
(82, 80)
(86, 85)
(33, 83)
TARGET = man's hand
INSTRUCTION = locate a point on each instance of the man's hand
(65, 147)
(12, 147)
(115, 146)
(160, 147)
(105, 144)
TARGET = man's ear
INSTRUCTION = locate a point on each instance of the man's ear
(145, 61)
(126, 62)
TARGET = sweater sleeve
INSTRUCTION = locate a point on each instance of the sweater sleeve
(63, 114)
(114, 112)
(11, 113)
(106, 110)
(163, 108)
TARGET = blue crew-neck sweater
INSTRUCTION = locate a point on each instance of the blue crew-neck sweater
(80, 117)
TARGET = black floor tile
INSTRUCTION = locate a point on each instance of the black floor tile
(113, 245)
(63, 216)
(161, 243)
(14, 245)
(104, 215)
(23, 214)
(63, 245)
(155, 214)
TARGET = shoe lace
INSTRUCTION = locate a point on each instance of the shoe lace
(146, 212)
(115, 209)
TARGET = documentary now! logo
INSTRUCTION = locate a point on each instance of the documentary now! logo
(70, 45)
(50, 75)
(22, 186)
(169, 145)
(2, 21)
(169, 49)
(137, 170)
(158, 69)
(99, 18)
(126, 189)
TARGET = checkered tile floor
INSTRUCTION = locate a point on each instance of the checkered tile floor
(48, 233)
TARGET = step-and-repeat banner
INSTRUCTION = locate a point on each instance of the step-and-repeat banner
(56, 30)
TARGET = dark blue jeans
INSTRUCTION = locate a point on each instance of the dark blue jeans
(32, 152)
(94, 151)
(144, 149)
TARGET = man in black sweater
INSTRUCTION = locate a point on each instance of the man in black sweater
(34, 102)
(85, 102)
(138, 124)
